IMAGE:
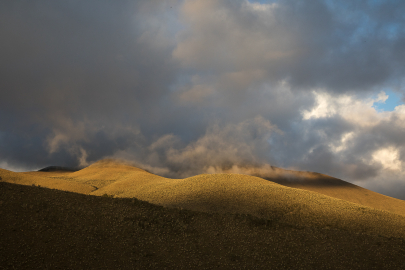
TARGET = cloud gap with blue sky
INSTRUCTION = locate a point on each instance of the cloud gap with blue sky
(388, 102)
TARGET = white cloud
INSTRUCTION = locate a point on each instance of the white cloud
(263, 7)
(7, 166)
(343, 143)
(369, 144)
(389, 158)
(355, 110)
(324, 106)
(381, 97)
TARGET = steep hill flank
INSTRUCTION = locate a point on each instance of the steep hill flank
(230, 193)
(44, 179)
(339, 189)
(242, 194)
(52, 229)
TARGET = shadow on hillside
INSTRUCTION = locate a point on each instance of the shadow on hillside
(59, 169)
(319, 181)
(49, 229)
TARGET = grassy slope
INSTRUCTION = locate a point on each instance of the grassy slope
(51, 229)
(44, 179)
(104, 173)
(229, 193)
(340, 189)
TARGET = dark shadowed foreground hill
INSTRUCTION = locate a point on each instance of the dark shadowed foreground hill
(42, 228)
(59, 169)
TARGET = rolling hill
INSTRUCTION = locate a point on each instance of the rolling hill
(208, 221)
(300, 204)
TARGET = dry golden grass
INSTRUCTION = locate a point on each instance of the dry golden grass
(226, 193)
(340, 189)
(53, 180)
(53, 229)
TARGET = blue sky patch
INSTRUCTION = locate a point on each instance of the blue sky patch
(389, 105)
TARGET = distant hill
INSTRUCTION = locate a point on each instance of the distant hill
(59, 169)
(339, 189)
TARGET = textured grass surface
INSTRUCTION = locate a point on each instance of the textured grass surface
(51, 229)
(221, 193)
(340, 189)
(45, 179)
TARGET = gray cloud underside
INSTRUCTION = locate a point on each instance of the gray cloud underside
(184, 86)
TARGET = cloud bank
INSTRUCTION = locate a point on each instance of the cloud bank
(192, 86)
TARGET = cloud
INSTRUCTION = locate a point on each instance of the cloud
(221, 147)
(343, 47)
(191, 86)
(389, 158)
(350, 139)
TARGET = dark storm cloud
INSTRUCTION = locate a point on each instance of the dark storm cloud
(81, 72)
(352, 45)
(74, 58)
(190, 86)
(343, 46)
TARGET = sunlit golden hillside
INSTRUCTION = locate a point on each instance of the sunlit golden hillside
(112, 215)
(304, 205)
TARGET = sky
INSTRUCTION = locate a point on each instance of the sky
(183, 87)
